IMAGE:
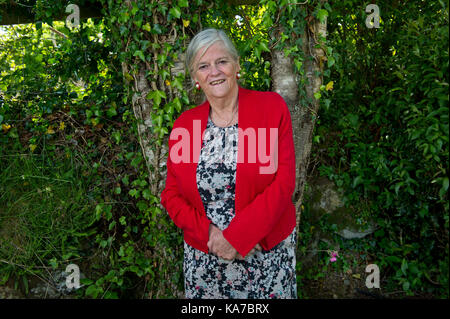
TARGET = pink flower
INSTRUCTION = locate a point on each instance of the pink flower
(333, 259)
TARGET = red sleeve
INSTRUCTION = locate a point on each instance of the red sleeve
(184, 215)
(258, 218)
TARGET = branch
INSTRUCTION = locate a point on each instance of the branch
(57, 32)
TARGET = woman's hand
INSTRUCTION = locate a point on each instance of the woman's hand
(219, 246)
(254, 250)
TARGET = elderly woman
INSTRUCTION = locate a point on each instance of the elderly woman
(230, 179)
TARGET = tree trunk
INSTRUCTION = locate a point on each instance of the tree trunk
(303, 116)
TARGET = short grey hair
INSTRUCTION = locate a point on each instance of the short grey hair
(205, 39)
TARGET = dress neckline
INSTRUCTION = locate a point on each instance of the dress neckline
(221, 127)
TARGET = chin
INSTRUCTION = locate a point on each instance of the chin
(220, 92)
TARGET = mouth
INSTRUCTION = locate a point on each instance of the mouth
(217, 82)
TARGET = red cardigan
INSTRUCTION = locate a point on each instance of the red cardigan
(264, 211)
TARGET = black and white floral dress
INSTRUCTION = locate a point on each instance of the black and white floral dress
(265, 274)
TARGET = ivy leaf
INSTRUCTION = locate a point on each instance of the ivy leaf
(445, 183)
(298, 64)
(158, 120)
(175, 11)
(258, 52)
(139, 54)
(146, 27)
(358, 180)
(183, 3)
(329, 86)
(157, 28)
(177, 104)
(327, 103)
(134, 9)
(321, 15)
(264, 47)
(331, 61)
(404, 266)
(146, 194)
(156, 96)
(317, 95)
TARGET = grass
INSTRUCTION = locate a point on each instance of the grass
(45, 212)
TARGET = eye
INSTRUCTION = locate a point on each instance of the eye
(223, 61)
(202, 67)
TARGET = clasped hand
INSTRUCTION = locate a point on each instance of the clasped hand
(220, 247)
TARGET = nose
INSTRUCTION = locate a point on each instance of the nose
(214, 70)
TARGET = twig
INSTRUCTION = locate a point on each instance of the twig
(301, 3)
(58, 32)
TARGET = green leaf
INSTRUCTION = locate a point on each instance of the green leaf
(264, 47)
(404, 266)
(393, 259)
(134, 9)
(112, 224)
(317, 95)
(158, 120)
(321, 15)
(147, 27)
(156, 96)
(406, 286)
(358, 180)
(140, 54)
(175, 11)
(93, 291)
(258, 52)
(445, 183)
(134, 192)
(111, 112)
(331, 61)
(183, 3)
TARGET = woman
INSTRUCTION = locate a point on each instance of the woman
(231, 199)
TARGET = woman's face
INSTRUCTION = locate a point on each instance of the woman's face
(216, 71)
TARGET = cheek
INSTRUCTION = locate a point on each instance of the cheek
(200, 77)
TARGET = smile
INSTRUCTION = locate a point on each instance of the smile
(216, 82)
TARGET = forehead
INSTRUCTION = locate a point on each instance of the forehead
(215, 51)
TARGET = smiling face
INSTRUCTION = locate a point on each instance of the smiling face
(215, 71)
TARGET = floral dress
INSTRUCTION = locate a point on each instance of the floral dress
(263, 274)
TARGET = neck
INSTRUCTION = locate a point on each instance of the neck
(225, 105)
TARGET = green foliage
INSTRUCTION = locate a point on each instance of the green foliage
(386, 134)
(382, 135)
(45, 215)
